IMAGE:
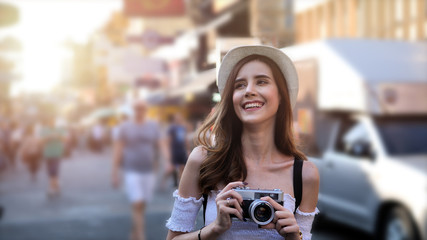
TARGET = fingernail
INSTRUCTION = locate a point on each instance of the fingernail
(245, 183)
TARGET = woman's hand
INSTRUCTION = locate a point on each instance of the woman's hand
(228, 202)
(284, 221)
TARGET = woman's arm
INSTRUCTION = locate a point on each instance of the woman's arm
(310, 189)
(307, 210)
(227, 201)
(189, 187)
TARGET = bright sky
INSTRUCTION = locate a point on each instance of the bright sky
(42, 29)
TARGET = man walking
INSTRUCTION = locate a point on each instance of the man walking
(135, 152)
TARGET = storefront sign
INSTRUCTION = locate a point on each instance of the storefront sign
(154, 8)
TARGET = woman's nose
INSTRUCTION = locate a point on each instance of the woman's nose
(250, 90)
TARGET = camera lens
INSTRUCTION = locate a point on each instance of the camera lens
(261, 212)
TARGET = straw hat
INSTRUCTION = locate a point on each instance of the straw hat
(281, 59)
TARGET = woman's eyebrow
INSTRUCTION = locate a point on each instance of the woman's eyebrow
(256, 77)
(262, 76)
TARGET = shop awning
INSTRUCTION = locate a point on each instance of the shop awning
(199, 83)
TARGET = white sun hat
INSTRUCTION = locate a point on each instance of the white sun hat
(278, 56)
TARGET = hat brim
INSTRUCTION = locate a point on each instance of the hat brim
(278, 56)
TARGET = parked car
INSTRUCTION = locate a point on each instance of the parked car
(361, 116)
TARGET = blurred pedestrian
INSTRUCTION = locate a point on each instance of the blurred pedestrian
(177, 138)
(31, 151)
(69, 142)
(123, 117)
(253, 147)
(134, 151)
(98, 133)
(53, 141)
(3, 145)
(15, 139)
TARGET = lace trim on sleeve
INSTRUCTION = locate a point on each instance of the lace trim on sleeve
(316, 211)
(184, 213)
(305, 222)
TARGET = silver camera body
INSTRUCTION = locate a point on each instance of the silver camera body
(255, 209)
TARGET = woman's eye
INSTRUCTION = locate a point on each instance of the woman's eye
(262, 82)
(239, 85)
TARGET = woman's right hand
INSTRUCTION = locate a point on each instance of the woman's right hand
(228, 202)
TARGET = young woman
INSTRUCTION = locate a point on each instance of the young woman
(252, 145)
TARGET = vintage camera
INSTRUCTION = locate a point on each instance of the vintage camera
(259, 211)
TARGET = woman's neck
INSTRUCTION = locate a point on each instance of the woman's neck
(258, 144)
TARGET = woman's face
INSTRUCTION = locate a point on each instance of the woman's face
(256, 96)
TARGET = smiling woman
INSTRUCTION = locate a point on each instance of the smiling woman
(43, 28)
(247, 157)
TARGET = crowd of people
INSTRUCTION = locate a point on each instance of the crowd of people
(36, 144)
(43, 145)
(46, 142)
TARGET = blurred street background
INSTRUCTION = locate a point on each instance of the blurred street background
(89, 208)
(80, 63)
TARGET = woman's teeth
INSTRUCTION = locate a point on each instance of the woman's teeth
(253, 105)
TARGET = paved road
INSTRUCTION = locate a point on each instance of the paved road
(88, 207)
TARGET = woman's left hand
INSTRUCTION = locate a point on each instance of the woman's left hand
(284, 221)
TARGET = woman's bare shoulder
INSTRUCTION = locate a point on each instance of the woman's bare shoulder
(310, 174)
(189, 184)
(197, 156)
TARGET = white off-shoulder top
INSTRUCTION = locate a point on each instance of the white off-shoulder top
(185, 210)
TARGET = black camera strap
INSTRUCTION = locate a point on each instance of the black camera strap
(205, 202)
(297, 182)
(297, 187)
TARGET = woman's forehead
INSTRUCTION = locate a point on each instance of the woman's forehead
(256, 68)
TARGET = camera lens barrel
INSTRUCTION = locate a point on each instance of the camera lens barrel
(261, 212)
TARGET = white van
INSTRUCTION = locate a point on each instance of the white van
(362, 117)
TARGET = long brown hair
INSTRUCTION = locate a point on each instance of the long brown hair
(221, 132)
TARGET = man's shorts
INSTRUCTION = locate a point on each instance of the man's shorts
(139, 187)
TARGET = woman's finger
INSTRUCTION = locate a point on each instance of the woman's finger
(271, 225)
(287, 230)
(234, 203)
(233, 185)
(283, 214)
(224, 208)
(286, 222)
(287, 225)
(230, 194)
(275, 204)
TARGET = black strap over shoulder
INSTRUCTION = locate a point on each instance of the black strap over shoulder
(298, 181)
(205, 202)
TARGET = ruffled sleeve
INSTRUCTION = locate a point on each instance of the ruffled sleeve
(305, 222)
(184, 213)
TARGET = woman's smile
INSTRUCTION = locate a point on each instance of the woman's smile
(253, 105)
